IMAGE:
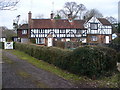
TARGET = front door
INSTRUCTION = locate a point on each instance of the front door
(107, 39)
(50, 42)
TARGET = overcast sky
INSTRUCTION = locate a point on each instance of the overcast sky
(106, 7)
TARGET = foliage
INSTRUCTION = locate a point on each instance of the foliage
(118, 57)
(109, 82)
(115, 44)
(88, 61)
(92, 61)
(118, 28)
(1, 45)
(59, 44)
(8, 33)
(32, 40)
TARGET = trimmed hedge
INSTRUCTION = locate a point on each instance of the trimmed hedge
(51, 55)
(118, 57)
(1, 45)
(93, 61)
(88, 61)
(115, 44)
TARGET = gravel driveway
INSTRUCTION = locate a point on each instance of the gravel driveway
(21, 74)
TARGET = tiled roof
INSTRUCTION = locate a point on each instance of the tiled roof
(57, 23)
(24, 26)
(104, 21)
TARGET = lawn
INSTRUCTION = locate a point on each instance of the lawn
(109, 82)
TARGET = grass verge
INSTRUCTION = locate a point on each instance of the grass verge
(109, 82)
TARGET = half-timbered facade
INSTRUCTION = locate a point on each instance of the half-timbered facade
(99, 30)
(45, 31)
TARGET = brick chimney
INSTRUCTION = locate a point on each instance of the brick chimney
(29, 18)
(29, 23)
(52, 15)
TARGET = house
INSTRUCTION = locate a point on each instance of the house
(99, 30)
(45, 31)
(3, 39)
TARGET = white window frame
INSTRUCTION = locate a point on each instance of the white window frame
(24, 31)
(94, 26)
(40, 41)
(94, 38)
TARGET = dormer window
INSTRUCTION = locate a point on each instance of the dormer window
(94, 26)
(24, 31)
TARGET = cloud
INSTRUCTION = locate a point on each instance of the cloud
(106, 7)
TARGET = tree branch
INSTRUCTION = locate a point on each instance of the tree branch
(8, 4)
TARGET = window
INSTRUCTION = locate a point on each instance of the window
(24, 31)
(94, 38)
(94, 26)
(79, 31)
(40, 41)
(62, 31)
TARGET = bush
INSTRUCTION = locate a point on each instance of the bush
(115, 44)
(92, 61)
(1, 45)
(88, 61)
(51, 55)
(118, 57)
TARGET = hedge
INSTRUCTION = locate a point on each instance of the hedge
(88, 61)
(118, 57)
(115, 44)
(1, 45)
(93, 61)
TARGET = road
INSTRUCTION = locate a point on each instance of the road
(18, 73)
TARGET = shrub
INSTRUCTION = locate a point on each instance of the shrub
(92, 61)
(115, 44)
(1, 45)
(88, 61)
(118, 57)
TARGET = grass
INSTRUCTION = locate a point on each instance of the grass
(23, 74)
(110, 82)
(46, 66)
(6, 59)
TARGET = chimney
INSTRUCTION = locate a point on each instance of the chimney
(70, 18)
(29, 23)
(52, 15)
(29, 18)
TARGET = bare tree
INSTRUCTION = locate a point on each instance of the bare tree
(91, 13)
(8, 4)
(39, 16)
(112, 20)
(72, 10)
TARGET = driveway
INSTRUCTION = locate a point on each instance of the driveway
(21, 74)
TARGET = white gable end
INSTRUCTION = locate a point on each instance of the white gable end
(94, 26)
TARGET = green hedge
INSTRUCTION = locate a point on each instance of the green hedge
(88, 61)
(115, 44)
(93, 61)
(118, 57)
(1, 45)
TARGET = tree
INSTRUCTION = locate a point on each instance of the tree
(118, 29)
(57, 16)
(91, 13)
(72, 10)
(7, 33)
(112, 20)
(39, 16)
(8, 4)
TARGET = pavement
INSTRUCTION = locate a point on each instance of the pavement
(18, 73)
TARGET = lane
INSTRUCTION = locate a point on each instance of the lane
(19, 73)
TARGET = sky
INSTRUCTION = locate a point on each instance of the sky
(38, 7)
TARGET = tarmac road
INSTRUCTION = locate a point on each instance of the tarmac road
(18, 73)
